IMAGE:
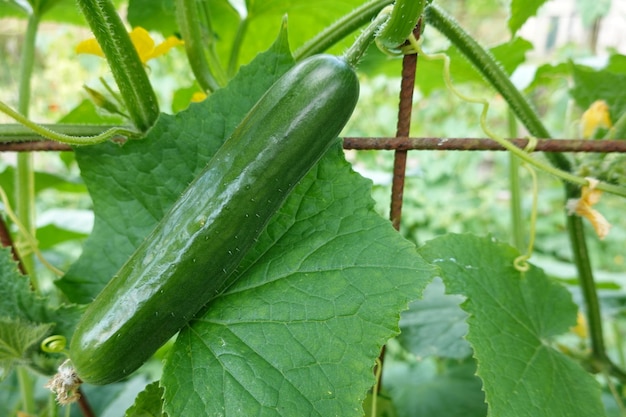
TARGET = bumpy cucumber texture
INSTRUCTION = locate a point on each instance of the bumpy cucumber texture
(189, 257)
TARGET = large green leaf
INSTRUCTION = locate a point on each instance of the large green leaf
(513, 318)
(148, 403)
(299, 332)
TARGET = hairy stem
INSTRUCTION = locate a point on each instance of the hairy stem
(124, 61)
(355, 52)
(25, 175)
(29, 405)
(517, 222)
(190, 24)
(237, 43)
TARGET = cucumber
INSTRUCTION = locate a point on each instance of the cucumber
(189, 256)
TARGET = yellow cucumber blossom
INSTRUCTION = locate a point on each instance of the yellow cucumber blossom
(143, 42)
(580, 329)
(583, 207)
(198, 97)
(595, 117)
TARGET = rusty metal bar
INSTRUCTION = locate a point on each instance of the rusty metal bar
(403, 127)
(405, 144)
(482, 144)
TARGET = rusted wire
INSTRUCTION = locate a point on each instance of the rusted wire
(404, 144)
(403, 127)
(481, 144)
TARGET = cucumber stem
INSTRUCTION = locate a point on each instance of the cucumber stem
(517, 223)
(124, 61)
(25, 173)
(188, 18)
(356, 51)
(237, 43)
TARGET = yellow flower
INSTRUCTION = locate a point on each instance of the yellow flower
(580, 329)
(143, 42)
(583, 207)
(198, 97)
(595, 117)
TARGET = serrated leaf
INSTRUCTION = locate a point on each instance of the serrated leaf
(318, 297)
(521, 11)
(15, 288)
(148, 403)
(20, 303)
(16, 338)
(513, 318)
(132, 186)
(435, 325)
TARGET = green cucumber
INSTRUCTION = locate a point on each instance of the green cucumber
(189, 257)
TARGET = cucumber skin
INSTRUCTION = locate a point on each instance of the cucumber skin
(187, 259)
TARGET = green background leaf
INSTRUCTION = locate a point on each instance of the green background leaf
(435, 325)
(435, 388)
(513, 319)
(521, 11)
(590, 10)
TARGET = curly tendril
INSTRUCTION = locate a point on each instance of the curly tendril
(54, 344)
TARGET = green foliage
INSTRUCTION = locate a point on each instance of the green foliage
(148, 403)
(514, 318)
(324, 286)
(25, 319)
(521, 10)
(435, 387)
(307, 313)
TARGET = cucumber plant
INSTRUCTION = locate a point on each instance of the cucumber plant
(124, 325)
(215, 221)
